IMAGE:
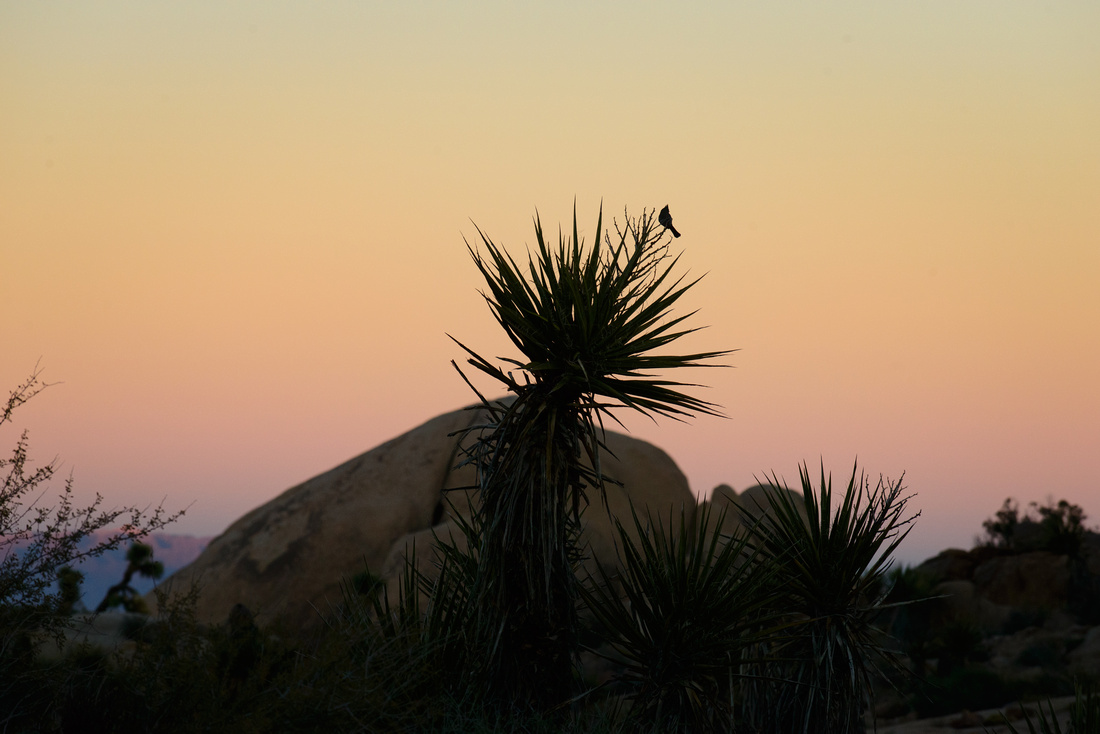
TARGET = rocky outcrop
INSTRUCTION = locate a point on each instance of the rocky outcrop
(1030, 613)
(1037, 580)
(989, 582)
(288, 558)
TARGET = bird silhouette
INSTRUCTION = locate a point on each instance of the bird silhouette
(666, 221)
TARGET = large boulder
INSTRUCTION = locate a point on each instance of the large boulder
(287, 558)
(638, 474)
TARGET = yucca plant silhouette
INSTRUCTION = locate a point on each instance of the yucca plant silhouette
(589, 323)
(677, 618)
(830, 559)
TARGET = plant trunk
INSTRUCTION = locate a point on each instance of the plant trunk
(527, 588)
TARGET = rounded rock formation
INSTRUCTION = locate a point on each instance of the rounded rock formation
(288, 558)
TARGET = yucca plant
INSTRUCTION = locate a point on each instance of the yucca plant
(830, 561)
(677, 618)
(589, 323)
(1084, 715)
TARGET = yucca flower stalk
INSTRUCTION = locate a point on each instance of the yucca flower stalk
(830, 561)
(589, 323)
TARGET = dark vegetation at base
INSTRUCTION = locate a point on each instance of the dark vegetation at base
(177, 675)
(379, 667)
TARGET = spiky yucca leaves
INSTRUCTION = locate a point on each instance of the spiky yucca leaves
(588, 322)
(830, 559)
(406, 651)
(678, 617)
(1084, 714)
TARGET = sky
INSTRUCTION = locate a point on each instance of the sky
(234, 234)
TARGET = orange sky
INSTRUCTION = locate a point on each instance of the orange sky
(235, 234)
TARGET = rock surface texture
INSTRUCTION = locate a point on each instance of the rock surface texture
(287, 558)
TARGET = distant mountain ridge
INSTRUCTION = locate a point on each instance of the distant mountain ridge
(174, 551)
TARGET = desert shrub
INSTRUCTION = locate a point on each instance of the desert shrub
(399, 664)
(1000, 530)
(166, 682)
(1062, 527)
(1057, 527)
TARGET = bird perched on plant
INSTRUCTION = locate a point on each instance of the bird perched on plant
(666, 221)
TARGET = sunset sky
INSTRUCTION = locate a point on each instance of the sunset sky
(233, 233)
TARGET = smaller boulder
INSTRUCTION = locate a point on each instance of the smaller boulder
(952, 564)
(1037, 580)
(724, 502)
(960, 603)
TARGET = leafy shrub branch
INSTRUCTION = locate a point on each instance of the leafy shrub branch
(39, 540)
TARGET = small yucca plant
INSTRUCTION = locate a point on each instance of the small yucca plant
(830, 561)
(589, 323)
(677, 618)
(1084, 715)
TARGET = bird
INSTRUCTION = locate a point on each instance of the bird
(666, 221)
